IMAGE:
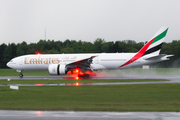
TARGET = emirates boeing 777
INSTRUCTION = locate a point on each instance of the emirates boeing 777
(85, 64)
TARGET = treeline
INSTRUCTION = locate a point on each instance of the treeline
(72, 46)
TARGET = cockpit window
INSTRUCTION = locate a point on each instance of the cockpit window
(11, 61)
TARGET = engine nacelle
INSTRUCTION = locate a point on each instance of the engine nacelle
(57, 69)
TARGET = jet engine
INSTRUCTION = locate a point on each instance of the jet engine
(57, 69)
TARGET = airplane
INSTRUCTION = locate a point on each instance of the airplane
(84, 64)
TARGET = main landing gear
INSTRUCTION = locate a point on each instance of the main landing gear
(84, 76)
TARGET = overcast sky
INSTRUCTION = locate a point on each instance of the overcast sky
(87, 20)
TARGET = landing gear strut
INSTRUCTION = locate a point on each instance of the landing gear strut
(21, 74)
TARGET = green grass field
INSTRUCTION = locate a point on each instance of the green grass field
(155, 97)
(12, 72)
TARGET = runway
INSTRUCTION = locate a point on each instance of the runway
(77, 115)
(170, 79)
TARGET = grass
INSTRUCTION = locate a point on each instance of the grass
(152, 97)
(12, 72)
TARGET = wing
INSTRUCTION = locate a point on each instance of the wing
(83, 64)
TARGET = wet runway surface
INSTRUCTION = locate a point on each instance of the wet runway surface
(106, 77)
(170, 79)
(72, 115)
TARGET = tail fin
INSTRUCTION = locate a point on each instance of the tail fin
(151, 48)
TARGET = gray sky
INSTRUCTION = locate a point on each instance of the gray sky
(86, 20)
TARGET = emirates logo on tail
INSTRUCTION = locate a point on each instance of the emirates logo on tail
(151, 48)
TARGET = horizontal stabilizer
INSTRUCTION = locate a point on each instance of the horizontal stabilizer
(160, 56)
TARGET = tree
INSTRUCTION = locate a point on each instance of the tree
(22, 49)
(67, 43)
(2, 49)
(98, 44)
(107, 47)
(67, 50)
(87, 47)
(32, 48)
(9, 53)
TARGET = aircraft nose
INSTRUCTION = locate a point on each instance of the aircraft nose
(8, 64)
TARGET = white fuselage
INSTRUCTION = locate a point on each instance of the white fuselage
(102, 61)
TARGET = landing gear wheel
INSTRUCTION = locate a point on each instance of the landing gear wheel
(21, 75)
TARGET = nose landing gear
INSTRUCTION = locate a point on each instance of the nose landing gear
(21, 74)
